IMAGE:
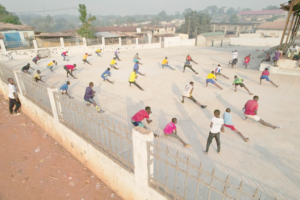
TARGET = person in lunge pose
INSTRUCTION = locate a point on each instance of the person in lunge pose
(13, 98)
(35, 59)
(69, 69)
(98, 52)
(136, 58)
(137, 67)
(113, 63)
(50, 65)
(64, 55)
(25, 69)
(89, 95)
(165, 63)
(171, 131)
(265, 75)
(228, 123)
(250, 111)
(132, 78)
(218, 71)
(189, 58)
(37, 77)
(188, 65)
(239, 82)
(117, 54)
(105, 75)
(64, 89)
(188, 90)
(216, 126)
(84, 59)
(211, 78)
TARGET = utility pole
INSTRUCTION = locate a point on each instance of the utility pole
(189, 27)
(196, 40)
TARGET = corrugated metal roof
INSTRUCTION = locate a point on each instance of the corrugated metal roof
(272, 25)
(8, 26)
(212, 34)
(261, 12)
(129, 34)
(117, 28)
(57, 34)
(106, 35)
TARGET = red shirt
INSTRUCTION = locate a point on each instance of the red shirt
(189, 58)
(247, 59)
(64, 53)
(251, 106)
(266, 73)
(70, 66)
(170, 128)
(140, 116)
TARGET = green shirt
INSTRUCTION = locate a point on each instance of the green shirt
(237, 80)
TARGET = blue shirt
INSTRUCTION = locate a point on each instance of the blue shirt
(106, 73)
(135, 66)
(64, 87)
(227, 118)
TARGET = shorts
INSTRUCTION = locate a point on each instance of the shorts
(234, 61)
(90, 100)
(210, 81)
(230, 126)
(104, 77)
(246, 63)
(192, 98)
(254, 117)
(240, 84)
(84, 60)
(49, 67)
(137, 123)
(63, 91)
(265, 77)
(218, 74)
(135, 60)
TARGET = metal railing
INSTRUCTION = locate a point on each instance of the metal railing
(155, 40)
(94, 41)
(35, 92)
(72, 42)
(111, 41)
(48, 42)
(177, 178)
(105, 134)
(128, 40)
(143, 40)
(18, 45)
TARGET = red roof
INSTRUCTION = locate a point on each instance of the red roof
(261, 12)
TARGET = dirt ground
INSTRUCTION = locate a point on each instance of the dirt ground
(34, 166)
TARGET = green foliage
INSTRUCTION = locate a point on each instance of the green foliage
(231, 11)
(198, 21)
(155, 21)
(8, 17)
(234, 18)
(43, 24)
(273, 18)
(246, 9)
(86, 28)
(271, 8)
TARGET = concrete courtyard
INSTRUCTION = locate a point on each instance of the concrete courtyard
(271, 158)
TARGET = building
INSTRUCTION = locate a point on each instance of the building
(45, 40)
(260, 15)
(161, 31)
(208, 39)
(234, 28)
(271, 29)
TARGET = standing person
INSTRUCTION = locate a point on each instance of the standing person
(64, 89)
(188, 65)
(277, 57)
(171, 131)
(37, 77)
(50, 65)
(70, 69)
(137, 67)
(238, 81)
(137, 119)
(188, 90)
(25, 69)
(216, 126)
(84, 59)
(246, 61)
(98, 52)
(35, 59)
(136, 58)
(117, 54)
(267, 59)
(89, 95)
(105, 74)
(265, 75)
(234, 58)
(250, 111)
(165, 63)
(132, 78)
(64, 55)
(218, 71)
(228, 123)
(13, 98)
(211, 78)
(113, 63)
(189, 58)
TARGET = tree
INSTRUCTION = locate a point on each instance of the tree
(234, 18)
(8, 17)
(271, 8)
(177, 14)
(130, 20)
(155, 21)
(199, 23)
(246, 9)
(86, 28)
(187, 10)
(231, 11)
(163, 15)
(62, 24)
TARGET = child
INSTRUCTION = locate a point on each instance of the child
(84, 59)
(265, 75)
(25, 69)
(105, 75)
(50, 65)
(218, 71)
(64, 55)
(113, 63)
(132, 78)
(37, 77)
(35, 59)
(170, 130)
(64, 89)
(216, 125)
(228, 123)
(98, 52)
(211, 79)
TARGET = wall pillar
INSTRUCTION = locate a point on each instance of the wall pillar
(2, 46)
(62, 43)
(214, 29)
(237, 30)
(35, 44)
(120, 41)
(51, 90)
(225, 30)
(137, 41)
(103, 41)
(84, 41)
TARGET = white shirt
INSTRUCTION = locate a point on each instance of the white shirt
(11, 90)
(234, 55)
(187, 90)
(217, 124)
(218, 70)
(294, 49)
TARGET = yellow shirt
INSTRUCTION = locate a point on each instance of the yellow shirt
(36, 75)
(164, 61)
(211, 76)
(113, 62)
(98, 50)
(50, 64)
(132, 77)
(85, 57)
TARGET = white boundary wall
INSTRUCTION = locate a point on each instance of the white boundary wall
(255, 41)
(132, 186)
(177, 41)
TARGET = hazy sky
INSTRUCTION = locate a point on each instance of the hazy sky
(129, 7)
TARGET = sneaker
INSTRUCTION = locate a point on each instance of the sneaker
(203, 106)
(101, 111)
(17, 113)
(182, 101)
